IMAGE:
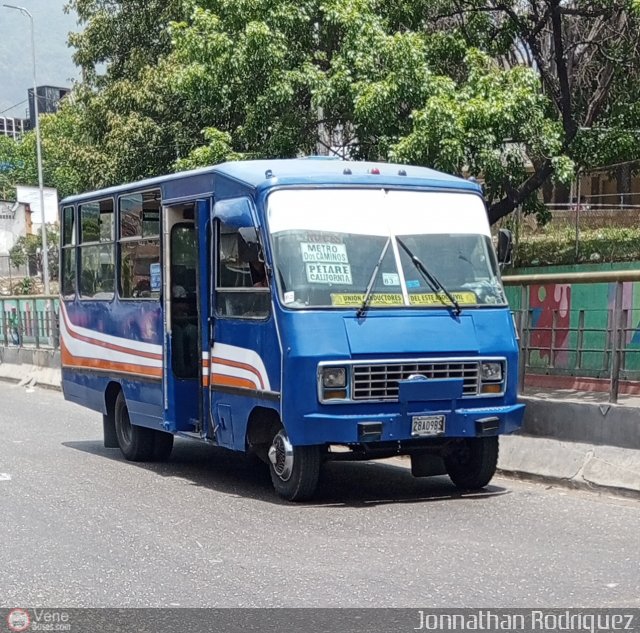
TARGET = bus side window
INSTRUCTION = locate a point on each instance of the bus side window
(139, 238)
(97, 250)
(241, 288)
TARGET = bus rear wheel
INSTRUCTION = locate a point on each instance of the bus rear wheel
(135, 442)
(472, 463)
(294, 469)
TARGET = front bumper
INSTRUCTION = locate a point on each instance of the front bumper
(321, 428)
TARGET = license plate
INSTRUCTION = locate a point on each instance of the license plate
(427, 425)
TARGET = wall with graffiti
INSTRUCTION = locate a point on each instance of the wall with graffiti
(28, 321)
(569, 328)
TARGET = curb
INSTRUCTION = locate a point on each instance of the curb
(574, 464)
(578, 420)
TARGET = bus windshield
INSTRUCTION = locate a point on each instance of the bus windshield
(338, 247)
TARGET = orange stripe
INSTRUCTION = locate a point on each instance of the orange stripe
(111, 346)
(238, 365)
(80, 362)
(232, 381)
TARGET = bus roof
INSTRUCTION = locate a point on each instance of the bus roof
(307, 171)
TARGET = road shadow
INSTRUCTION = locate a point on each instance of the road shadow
(346, 484)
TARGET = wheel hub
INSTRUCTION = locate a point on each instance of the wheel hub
(281, 456)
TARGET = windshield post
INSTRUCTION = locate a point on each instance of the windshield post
(403, 281)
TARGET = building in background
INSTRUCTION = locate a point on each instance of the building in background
(13, 127)
(15, 222)
(31, 196)
(615, 187)
(49, 98)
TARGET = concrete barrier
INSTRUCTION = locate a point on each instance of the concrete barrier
(571, 418)
(30, 366)
(576, 438)
(575, 464)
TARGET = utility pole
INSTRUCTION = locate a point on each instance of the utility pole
(45, 248)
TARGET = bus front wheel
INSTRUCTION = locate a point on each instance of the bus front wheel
(472, 462)
(294, 469)
(135, 442)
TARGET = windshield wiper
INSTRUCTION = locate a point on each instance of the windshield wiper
(430, 278)
(369, 291)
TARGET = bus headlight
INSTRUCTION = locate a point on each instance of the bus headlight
(491, 372)
(334, 377)
(332, 383)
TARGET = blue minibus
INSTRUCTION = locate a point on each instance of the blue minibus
(299, 310)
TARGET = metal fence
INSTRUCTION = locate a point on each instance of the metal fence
(29, 321)
(595, 335)
(600, 341)
(576, 233)
(9, 274)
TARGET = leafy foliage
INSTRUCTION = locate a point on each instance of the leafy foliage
(514, 93)
(558, 247)
(28, 251)
(25, 286)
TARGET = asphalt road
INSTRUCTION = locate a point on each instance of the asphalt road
(81, 527)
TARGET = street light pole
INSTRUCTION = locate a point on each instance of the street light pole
(45, 249)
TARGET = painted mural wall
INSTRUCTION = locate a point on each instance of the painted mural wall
(570, 326)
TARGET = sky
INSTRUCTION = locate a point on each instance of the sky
(54, 64)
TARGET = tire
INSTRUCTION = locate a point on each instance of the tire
(472, 463)
(294, 469)
(162, 446)
(136, 442)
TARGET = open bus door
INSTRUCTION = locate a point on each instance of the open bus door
(182, 372)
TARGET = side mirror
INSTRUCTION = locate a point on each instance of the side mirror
(505, 246)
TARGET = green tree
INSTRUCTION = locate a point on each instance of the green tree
(515, 92)
(12, 166)
(27, 251)
(584, 54)
(126, 36)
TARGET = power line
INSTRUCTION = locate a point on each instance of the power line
(14, 106)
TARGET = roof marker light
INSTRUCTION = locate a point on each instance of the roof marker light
(374, 171)
(346, 171)
(402, 172)
(268, 174)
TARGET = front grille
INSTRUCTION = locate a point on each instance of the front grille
(380, 381)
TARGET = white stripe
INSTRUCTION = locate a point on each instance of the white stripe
(241, 355)
(236, 372)
(89, 350)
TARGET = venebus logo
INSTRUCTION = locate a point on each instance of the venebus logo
(18, 620)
